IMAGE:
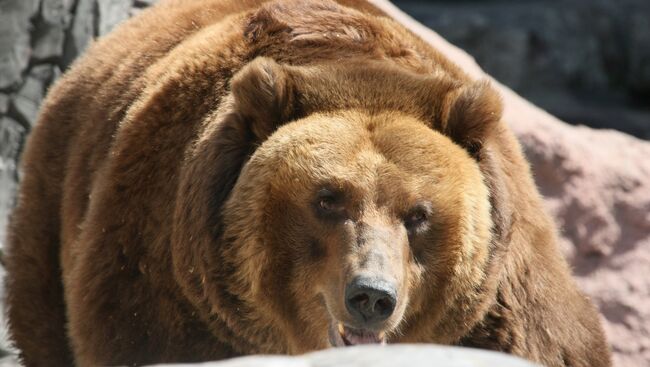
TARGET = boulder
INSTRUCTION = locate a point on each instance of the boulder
(12, 135)
(81, 32)
(15, 47)
(4, 103)
(28, 100)
(380, 356)
(111, 13)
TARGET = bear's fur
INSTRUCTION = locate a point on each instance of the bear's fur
(167, 210)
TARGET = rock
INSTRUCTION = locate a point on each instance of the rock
(28, 100)
(57, 12)
(11, 138)
(9, 361)
(49, 42)
(4, 103)
(143, 3)
(82, 32)
(49, 34)
(7, 358)
(545, 43)
(380, 356)
(598, 51)
(12, 135)
(597, 186)
(111, 13)
(14, 43)
(45, 73)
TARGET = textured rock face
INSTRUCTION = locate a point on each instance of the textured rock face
(11, 136)
(38, 39)
(596, 183)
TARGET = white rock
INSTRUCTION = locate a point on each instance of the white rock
(380, 356)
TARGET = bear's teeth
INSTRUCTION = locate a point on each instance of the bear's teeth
(356, 337)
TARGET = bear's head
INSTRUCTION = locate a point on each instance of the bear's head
(332, 205)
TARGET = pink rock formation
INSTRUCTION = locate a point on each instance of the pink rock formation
(597, 186)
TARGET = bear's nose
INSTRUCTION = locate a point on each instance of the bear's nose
(369, 300)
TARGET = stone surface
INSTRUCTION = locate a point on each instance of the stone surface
(7, 354)
(11, 137)
(57, 12)
(597, 186)
(49, 34)
(4, 103)
(381, 356)
(48, 42)
(14, 43)
(28, 99)
(143, 3)
(45, 73)
(81, 32)
(111, 13)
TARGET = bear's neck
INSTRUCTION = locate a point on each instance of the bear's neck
(532, 307)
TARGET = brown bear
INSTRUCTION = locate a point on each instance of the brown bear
(219, 178)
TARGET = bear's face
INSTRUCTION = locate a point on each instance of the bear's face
(319, 210)
(352, 223)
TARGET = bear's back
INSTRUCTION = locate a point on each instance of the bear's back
(112, 134)
(101, 172)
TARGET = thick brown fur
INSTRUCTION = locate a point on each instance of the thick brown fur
(165, 213)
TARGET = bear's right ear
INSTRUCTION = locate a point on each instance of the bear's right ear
(470, 115)
(263, 96)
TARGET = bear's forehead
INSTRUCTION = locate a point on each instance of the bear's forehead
(388, 152)
(367, 139)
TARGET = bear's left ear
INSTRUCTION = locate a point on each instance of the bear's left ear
(470, 114)
(264, 96)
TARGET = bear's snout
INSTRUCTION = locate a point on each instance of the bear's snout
(370, 301)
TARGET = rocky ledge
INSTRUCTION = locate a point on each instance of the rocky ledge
(380, 356)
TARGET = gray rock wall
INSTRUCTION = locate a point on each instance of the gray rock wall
(39, 39)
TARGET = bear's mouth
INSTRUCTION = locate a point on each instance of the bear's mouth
(344, 336)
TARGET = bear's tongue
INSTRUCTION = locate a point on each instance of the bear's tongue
(356, 337)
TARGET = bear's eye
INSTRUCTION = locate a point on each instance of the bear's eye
(329, 204)
(326, 204)
(418, 217)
